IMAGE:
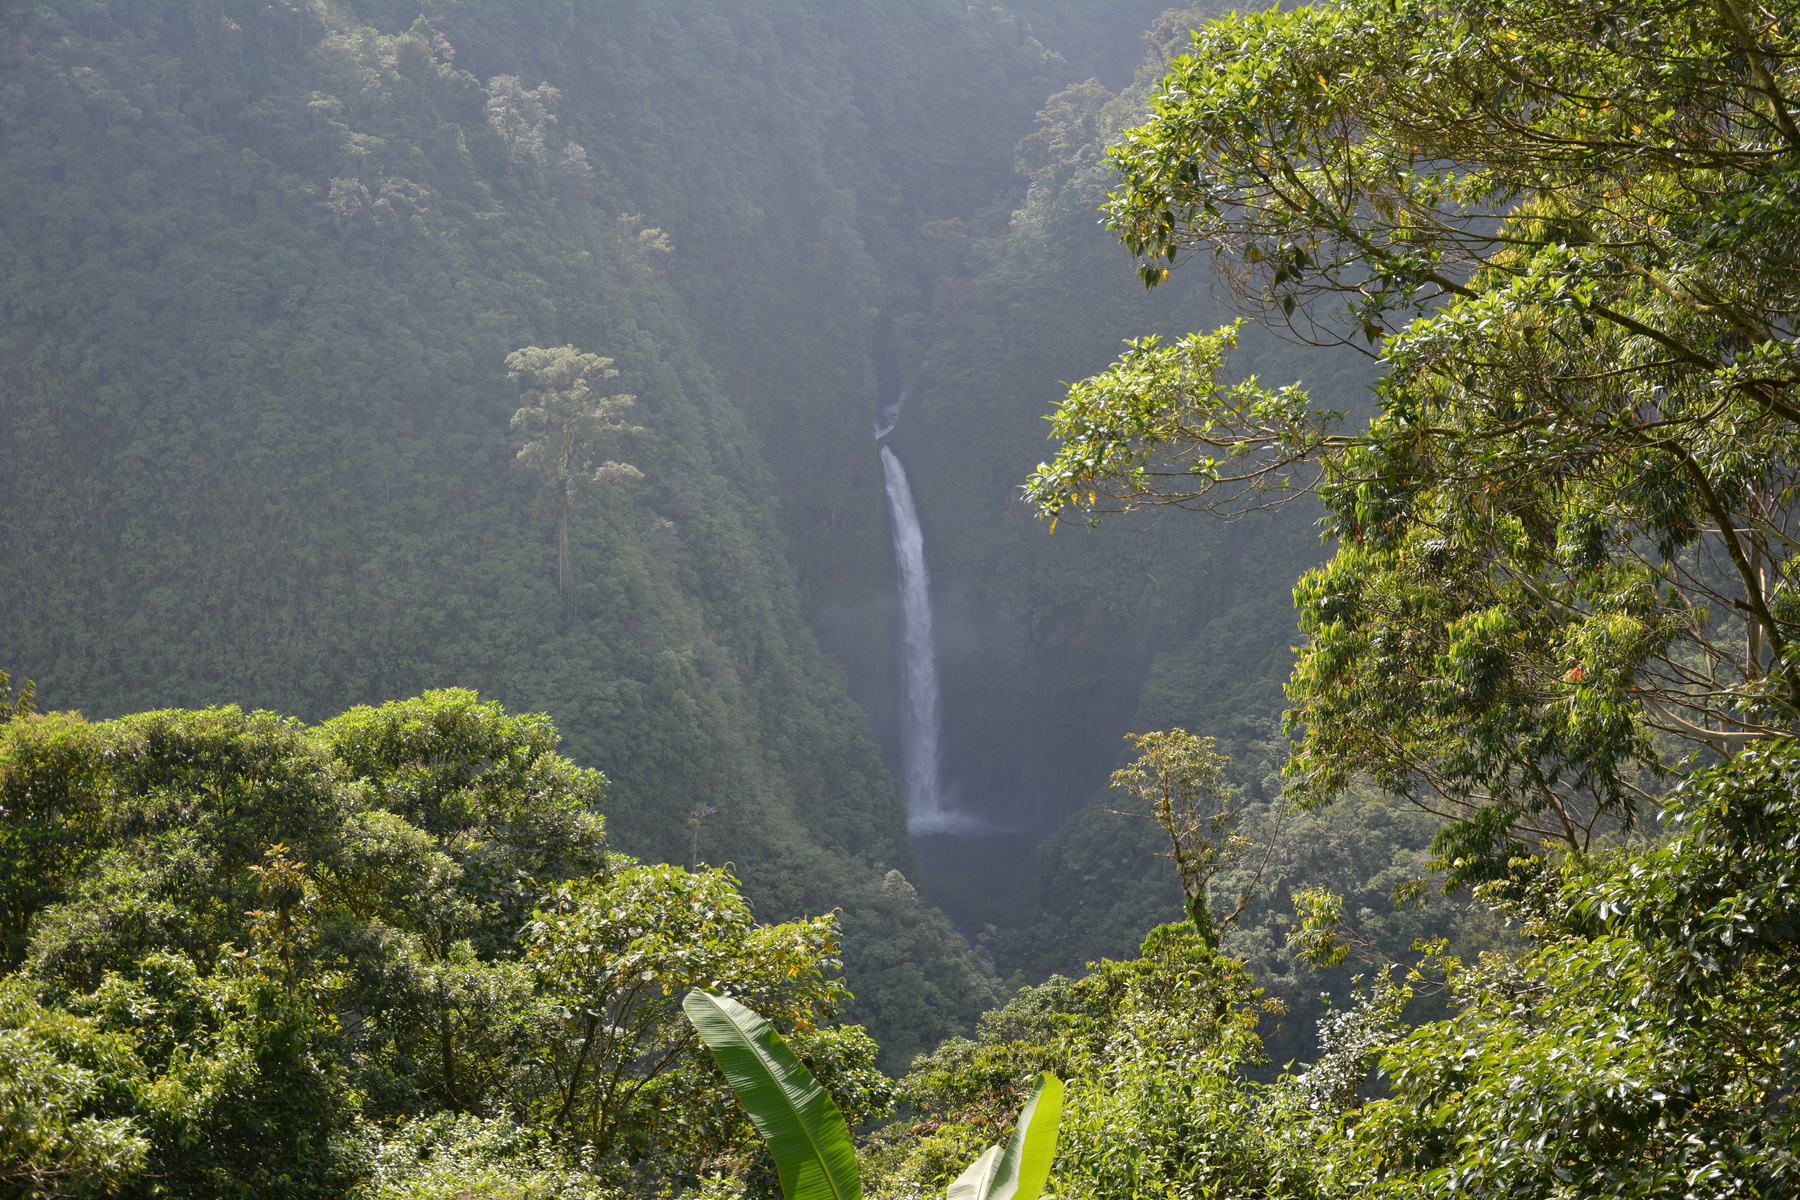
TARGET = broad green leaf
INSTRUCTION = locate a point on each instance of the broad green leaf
(1019, 1169)
(977, 1181)
(805, 1132)
(1025, 1164)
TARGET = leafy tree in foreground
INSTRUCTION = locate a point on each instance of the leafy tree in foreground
(1178, 1020)
(613, 957)
(55, 1072)
(1565, 543)
(254, 955)
(1643, 1045)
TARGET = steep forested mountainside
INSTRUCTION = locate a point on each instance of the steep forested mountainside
(262, 270)
(1044, 644)
(1050, 639)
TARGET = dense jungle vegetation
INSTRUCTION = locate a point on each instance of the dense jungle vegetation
(521, 360)
(256, 332)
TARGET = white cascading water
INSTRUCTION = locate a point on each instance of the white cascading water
(920, 721)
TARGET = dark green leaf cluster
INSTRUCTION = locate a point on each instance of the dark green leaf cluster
(1642, 1044)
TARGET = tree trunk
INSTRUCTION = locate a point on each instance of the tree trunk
(562, 559)
(446, 1048)
(1753, 642)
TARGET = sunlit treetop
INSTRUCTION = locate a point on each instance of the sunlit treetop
(1565, 232)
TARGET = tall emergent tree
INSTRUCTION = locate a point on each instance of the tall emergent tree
(1566, 542)
(563, 419)
(521, 117)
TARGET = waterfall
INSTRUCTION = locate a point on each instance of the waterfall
(920, 720)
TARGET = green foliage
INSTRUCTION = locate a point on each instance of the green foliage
(437, 816)
(1640, 1044)
(1316, 939)
(443, 1157)
(233, 885)
(1159, 428)
(11, 709)
(240, 1089)
(1519, 628)
(1574, 475)
(314, 947)
(1579, 464)
(1180, 779)
(1019, 1169)
(57, 1073)
(612, 958)
(806, 1131)
(1176, 1007)
(1107, 876)
(562, 424)
(1671, 969)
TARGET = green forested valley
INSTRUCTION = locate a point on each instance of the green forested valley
(820, 598)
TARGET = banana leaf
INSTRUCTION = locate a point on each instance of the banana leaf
(1019, 1169)
(977, 1181)
(796, 1117)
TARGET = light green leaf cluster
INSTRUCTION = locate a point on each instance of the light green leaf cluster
(443, 1157)
(1159, 428)
(1563, 557)
(270, 951)
(55, 1071)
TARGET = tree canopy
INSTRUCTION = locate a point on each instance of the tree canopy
(252, 952)
(1564, 544)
